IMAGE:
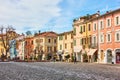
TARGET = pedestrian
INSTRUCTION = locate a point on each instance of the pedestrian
(75, 59)
(54, 58)
(60, 57)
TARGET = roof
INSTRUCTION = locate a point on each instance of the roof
(2, 35)
(47, 34)
(87, 18)
(65, 33)
(107, 13)
(99, 16)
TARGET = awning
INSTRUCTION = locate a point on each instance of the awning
(59, 52)
(92, 51)
(77, 48)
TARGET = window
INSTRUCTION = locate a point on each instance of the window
(94, 40)
(80, 29)
(0, 39)
(65, 46)
(81, 41)
(74, 31)
(83, 28)
(95, 27)
(55, 41)
(60, 37)
(108, 37)
(101, 38)
(32, 42)
(90, 40)
(60, 47)
(25, 42)
(101, 25)
(49, 40)
(74, 42)
(84, 39)
(41, 40)
(65, 36)
(117, 36)
(55, 49)
(71, 45)
(89, 27)
(117, 21)
(108, 22)
(71, 36)
(49, 49)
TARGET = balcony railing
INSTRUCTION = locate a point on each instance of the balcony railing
(94, 45)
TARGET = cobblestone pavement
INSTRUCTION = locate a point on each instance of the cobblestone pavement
(58, 71)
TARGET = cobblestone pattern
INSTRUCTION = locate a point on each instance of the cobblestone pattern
(58, 71)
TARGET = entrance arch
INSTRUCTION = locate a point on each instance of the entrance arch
(117, 51)
(109, 56)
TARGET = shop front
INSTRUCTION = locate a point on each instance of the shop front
(117, 51)
(109, 56)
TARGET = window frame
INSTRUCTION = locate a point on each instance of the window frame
(89, 27)
(74, 43)
(118, 20)
(107, 37)
(117, 32)
(65, 36)
(65, 45)
(101, 26)
(102, 37)
(84, 28)
(94, 26)
(60, 47)
(49, 40)
(109, 22)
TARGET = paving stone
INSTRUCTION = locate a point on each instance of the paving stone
(58, 71)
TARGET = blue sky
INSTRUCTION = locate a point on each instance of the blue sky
(49, 15)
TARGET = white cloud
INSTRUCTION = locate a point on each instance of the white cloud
(65, 21)
(32, 14)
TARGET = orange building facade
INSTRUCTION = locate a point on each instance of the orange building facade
(29, 47)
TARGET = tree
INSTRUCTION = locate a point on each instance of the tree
(7, 34)
(28, 33)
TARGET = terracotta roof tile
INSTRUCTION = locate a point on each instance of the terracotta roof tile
(47, 34)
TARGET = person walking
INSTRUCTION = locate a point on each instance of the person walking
(75, 59)
(54, 58)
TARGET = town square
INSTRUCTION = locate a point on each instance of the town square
(59, 40)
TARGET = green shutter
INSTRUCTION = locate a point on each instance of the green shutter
(60, 37)
(60, 47)
(74, 42)
(74, 32)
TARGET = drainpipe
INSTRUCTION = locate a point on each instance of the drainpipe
(98, 41)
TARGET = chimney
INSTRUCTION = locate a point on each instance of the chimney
(107, 11)
(98, 13)
(39, 31)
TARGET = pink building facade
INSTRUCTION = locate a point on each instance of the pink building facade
(106, 35)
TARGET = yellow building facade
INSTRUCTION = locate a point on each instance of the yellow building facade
(82, 38)
(46, 44)
(65, 44)
(2, 49)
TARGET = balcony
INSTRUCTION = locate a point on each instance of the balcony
(94, 45)
(81, 32)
